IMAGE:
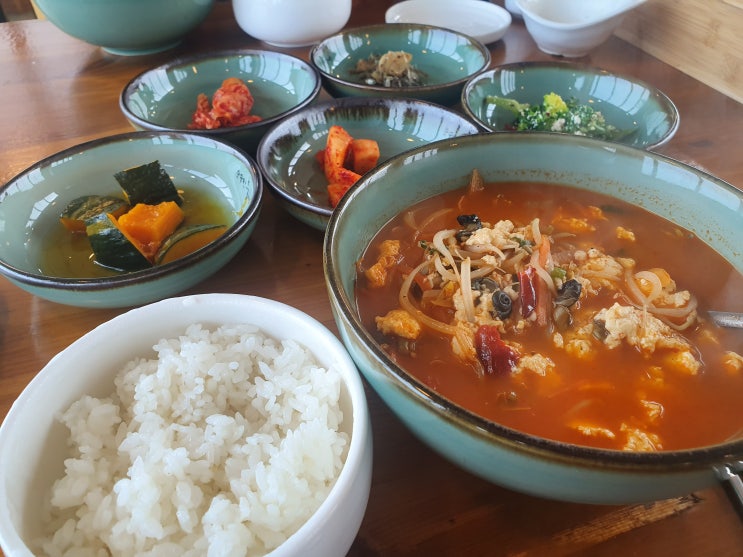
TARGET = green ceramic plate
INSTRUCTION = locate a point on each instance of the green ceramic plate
(646, 117)
(448, 59)
(164, 98)
(286, 156)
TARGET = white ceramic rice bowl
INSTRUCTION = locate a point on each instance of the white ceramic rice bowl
(33, 442)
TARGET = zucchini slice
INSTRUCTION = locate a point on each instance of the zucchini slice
(112, 248)
(75, 215)
(187, 240)
(148, 184)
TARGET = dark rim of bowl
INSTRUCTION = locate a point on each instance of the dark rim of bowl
(134, 83)
(370, 30)
(277, 132)
(663, 99)
(91, 284)
(423, 395)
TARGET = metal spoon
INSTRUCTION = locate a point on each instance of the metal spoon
(728, 473)
(727, 319)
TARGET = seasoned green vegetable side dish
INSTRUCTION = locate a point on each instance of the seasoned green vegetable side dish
(557, 115)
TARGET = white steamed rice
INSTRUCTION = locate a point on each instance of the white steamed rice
(223, 445)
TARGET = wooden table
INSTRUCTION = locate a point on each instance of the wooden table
(56, 91)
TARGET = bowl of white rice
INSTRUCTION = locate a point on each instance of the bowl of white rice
(207, 425)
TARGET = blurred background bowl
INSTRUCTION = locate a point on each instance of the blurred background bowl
(291, 23)
(127, 27)
(706, 206)
(446, 57)
(32, 433)
(485, 21)
(164, 98)
(286, 155)
(572, 28)
(31, 204)
(646, 117)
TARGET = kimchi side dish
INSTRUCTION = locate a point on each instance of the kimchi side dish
(560, 312)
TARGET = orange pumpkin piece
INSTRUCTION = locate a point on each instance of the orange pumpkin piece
(147, 226)
(364, 154)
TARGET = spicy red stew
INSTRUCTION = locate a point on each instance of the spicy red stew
(561, 313)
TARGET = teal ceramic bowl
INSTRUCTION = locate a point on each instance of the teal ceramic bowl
(127, 27)
(447, 58)
(164, 98)
(697, 201)
(286, 156)
(646, 117)
(31, 204)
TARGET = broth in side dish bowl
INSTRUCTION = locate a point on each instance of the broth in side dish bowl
(537, 310)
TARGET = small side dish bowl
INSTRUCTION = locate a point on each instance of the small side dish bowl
(446, 59)
(41, 256)
(485, 21)
(127, 27)
(34, 435)
(644, 116)
(572, 28)
(287, 154)
(688, 197)
(164, 98)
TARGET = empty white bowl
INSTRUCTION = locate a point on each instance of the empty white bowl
(484, 21)
(573, 28)
(291, 23)
(34, 443)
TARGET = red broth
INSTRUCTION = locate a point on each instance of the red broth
(599, 400)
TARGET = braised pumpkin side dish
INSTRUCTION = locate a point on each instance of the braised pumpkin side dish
(148, 226)
(561, 313)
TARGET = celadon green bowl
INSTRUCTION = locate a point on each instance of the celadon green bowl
(127, 27)
(164, 98)
(286, 155)
(32, 201)
(646, 117)
(447, 57)
(707, 206)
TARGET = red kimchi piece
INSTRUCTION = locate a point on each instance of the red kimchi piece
(230, 106)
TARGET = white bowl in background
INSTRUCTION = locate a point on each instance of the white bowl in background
(484, 21)
(573, 28)
(34, 443)
(513, 7)
(291, 23)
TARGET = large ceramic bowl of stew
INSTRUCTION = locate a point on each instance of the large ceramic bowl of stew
(127, 219)
(537, 309)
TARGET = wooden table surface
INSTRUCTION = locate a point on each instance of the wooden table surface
(56, 91)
